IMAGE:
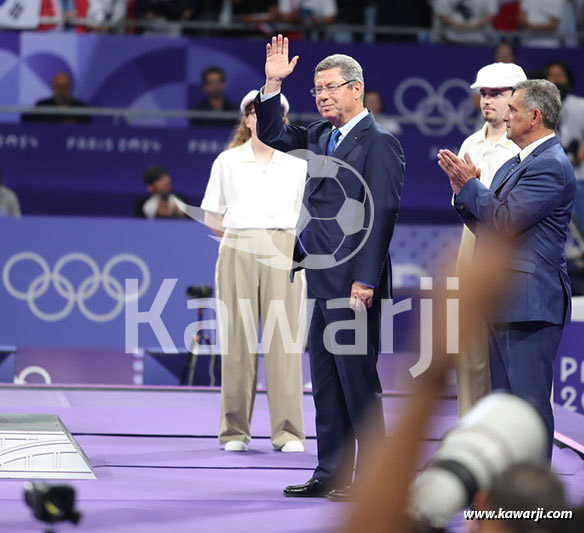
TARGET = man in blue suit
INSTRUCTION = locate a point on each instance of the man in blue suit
(529, 203)
(352, 261)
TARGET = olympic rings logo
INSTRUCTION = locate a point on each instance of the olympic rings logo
(436, 101)
(63, 286)
(21, 378)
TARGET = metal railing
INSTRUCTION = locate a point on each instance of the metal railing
(243, 27)
(309, 30)
(131, 114)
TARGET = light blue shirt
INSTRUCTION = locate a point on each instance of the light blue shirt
(345, 129)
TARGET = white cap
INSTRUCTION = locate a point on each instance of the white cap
(250, 97)
(499, 75)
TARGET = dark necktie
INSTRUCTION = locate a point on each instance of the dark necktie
(516, 161)
(332, 144)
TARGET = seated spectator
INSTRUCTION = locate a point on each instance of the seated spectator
(504, 53)
(165, 9)
(540, 21)
(316, 12)
(61, 98)
(571, 128)
(467, 21)
(374, 103)
(571, 22)
(103, 14)
(61, 9)
(507, 18)
(160, 202)
(69, 12)
(299, 12)
(213, 82)
(231, 9)
(9, 205)
(416, 13)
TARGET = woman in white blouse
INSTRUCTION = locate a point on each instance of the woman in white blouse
(252, 202)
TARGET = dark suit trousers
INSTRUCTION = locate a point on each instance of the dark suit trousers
(522, 358)
(346, 391)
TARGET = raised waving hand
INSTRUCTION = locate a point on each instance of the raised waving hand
(278, 67)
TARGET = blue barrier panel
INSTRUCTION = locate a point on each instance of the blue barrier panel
(63, 279)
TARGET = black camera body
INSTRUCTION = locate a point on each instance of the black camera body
(52, 503)
(199, 291)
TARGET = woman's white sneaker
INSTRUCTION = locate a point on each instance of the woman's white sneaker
(293, 446)
(235, 446)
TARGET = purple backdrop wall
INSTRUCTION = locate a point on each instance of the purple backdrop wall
(417, 81)
(96, 169)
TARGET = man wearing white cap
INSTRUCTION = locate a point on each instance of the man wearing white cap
(488, 148)
(252, 202)
(529, 205)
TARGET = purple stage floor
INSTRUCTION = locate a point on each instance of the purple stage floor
(159, 466)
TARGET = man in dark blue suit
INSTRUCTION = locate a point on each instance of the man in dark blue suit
(347, 260)
(530, 204)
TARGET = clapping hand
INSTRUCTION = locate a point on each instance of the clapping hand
(459, 171)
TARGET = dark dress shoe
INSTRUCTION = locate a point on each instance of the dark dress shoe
(341, 495)
(313, 488)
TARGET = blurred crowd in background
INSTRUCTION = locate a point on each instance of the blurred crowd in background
(531, 22)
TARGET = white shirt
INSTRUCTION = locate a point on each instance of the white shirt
(486, 156)
(542, 12)
(319, 9)
(572, 126)
(346, 128)
(150, 207)
(467, 11)
(251, 195)
(531, 147)
(489, 158)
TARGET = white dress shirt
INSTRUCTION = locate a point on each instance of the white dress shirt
(489, 158)
(531, 147)
(486, 156)
(251, 195)
(346, 128)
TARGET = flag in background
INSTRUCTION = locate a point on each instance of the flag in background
(50, 8)
(19, 13)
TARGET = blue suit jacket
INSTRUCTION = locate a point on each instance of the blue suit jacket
(374, 154)
(531, 205)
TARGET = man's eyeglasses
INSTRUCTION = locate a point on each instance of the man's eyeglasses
(330, 89)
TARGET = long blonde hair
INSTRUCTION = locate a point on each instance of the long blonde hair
(242, 133)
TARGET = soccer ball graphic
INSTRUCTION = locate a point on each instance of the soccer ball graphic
(342, 214)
